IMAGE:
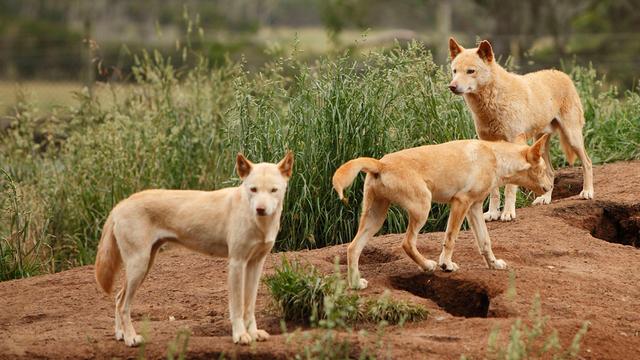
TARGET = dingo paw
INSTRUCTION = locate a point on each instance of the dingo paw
(508, 215)
(542, 200)
(242, 339)
(134, 341)
(119, 335)
(492, 215)
(360, 284)
(499, 264)
(260, 335)
(586, 194)
(449, 267)
(430, 266)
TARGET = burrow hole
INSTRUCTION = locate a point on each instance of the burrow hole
(456, 296)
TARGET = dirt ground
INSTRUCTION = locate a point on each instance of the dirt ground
(579, 276)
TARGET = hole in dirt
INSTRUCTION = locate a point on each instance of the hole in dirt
(370, 255)
(566, 184)
(457, 297)
(612, 222)
(619, 224)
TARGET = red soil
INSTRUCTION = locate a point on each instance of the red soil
(551, 249)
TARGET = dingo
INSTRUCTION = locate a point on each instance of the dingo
(515, 108)
(240, 223)
(461, 173)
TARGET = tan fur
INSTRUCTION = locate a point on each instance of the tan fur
(240, 223)
(461, 173)
(108, 259)
(514, 108)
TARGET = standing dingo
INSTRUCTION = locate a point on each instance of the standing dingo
(461, 173)
(240, 223)
(515, 108)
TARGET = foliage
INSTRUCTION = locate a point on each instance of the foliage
(181, 126)
(387, 309)
(300, 293)
(534, 341)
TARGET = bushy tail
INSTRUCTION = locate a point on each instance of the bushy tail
(566, 148)
(108, 259)
(343, 177)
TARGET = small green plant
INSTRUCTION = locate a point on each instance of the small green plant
(533, 339)
(301, 293)
(392, 311)
(177, 348)
(297, 290)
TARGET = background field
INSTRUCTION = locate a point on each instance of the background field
(174, 115)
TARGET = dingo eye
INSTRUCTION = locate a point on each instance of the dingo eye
(470, 71)
(274, 190)
(253, 189)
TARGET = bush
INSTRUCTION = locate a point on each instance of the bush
(180, 127)
(301, 293)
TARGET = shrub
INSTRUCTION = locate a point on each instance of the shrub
(180, 126)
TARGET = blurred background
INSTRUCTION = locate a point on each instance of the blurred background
(50, 48)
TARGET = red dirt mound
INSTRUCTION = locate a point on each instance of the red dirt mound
(580, 256)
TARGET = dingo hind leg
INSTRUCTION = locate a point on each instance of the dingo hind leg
(418, 211)
(119, 311)
(546, 197)
(136, 250)
(374, 212)
(571, 128)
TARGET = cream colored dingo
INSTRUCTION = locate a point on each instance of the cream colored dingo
(461, 173)
(515, 108)
(240, 223)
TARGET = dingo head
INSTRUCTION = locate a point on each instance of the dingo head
(265, 183)
(532, 171)
(472, 68)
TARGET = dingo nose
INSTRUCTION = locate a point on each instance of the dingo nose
(261, 211)
(453, 88)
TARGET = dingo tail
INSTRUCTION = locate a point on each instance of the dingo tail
(343, 177)
(108, 258)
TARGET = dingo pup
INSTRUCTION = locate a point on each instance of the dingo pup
(515, 108)
(461, 173)
(240, 223)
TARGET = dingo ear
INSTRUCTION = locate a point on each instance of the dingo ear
(286, 165)
(243, 166)
(454, 48)
(485, 51)
(536, 150)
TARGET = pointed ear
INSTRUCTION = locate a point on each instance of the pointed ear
(243, 166)
(286, 165)
(536, 150)
(454, 48)
(485, 51)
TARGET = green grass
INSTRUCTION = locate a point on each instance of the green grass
(180, 126)
(301, 293)
(534, 339)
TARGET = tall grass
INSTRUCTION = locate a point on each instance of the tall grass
(181, 126)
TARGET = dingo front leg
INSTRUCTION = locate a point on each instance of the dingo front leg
(479, 228)
(239, 332)
(458, 210)
(494, 206)
(252, 281)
